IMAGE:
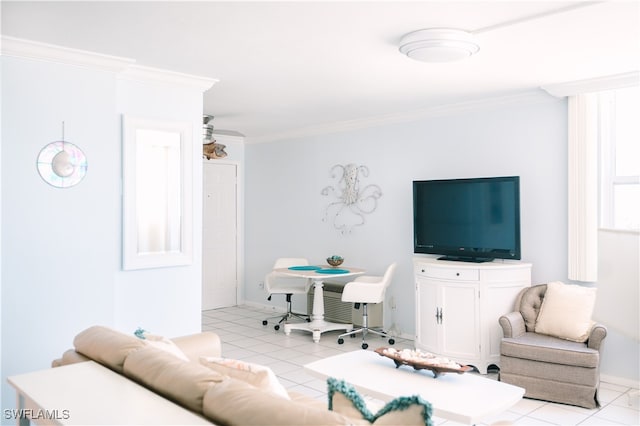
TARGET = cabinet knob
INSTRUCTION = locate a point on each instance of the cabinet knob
(457, 274)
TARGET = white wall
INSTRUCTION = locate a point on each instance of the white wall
(164, 300)
(523, 136)
(618, 302)
(61, 248)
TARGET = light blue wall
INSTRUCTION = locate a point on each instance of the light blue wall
(58, 257)
(525, 136)
(61, 248)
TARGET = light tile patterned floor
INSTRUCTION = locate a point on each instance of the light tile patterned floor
(244, 337)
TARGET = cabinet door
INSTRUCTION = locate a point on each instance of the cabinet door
(426, 324)
(460, 313)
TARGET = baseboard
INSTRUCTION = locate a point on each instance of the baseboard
(621, 381)
(269, 308)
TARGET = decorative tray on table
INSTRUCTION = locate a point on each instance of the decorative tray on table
(423, 361)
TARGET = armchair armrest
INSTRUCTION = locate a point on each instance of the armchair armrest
(512, 324)
(200, 344)
(596, 337)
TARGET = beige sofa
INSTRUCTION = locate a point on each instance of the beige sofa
(217, 397)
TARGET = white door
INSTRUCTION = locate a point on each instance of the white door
(427, 324)
(219, 239)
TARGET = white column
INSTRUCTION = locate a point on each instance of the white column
(583, 188)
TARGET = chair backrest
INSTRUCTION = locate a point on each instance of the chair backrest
(528, 303)
(369, 289)
(279, 283)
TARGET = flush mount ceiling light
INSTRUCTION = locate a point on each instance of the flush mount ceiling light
(438, 45)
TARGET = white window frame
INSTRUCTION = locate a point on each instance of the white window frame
(608, 177)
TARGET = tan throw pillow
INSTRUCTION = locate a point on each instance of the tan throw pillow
(182, 382)
(566, 311)
(107, 346)
(236, 403)
(254, 374)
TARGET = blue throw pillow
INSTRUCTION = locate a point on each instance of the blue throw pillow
(405, 410)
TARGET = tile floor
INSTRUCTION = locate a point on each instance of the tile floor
(244, 337)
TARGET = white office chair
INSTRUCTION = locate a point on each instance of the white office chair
(364, 290)
(277, 283)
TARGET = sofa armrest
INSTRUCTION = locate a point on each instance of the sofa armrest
(596, 337)
(196, 345)
(512, 324)
(69, 357)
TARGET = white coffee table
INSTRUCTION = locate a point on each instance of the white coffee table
(465, 398)
(318, 324)
(87, 393)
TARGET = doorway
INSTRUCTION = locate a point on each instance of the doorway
(220, 235)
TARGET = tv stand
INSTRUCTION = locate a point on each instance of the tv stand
(458, 306)
(466, 259)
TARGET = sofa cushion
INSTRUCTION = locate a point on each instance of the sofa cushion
(256, 375)
(404, 410)
(554, 373)
(160, 342)
(107, 346)
(69, 357)
(539, 347)
(566, 311)
(234, 402)
(184, 382)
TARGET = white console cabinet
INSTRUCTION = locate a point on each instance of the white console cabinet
(458, 305)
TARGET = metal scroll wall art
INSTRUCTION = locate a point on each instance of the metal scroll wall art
(353, 201)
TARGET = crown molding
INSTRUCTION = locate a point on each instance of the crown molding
(571, 88)
(148, 74)
(125, 68)
(28, 49)
(404, 117)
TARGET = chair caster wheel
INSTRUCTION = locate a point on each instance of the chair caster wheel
(391, 341)
(276, 327)
(365, 346)
(352, 335)
(340, 341)
(264, 322)
(308, 319)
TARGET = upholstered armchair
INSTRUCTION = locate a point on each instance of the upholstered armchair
(548, 367)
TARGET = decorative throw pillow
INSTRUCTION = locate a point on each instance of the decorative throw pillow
(404, 410)
(161, 342)
(257, 375)
(566, 311)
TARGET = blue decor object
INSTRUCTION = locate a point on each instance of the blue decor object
(332, 271)
(140, 333)
(397, 404)
(304, 268)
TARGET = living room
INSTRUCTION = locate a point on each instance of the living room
(61, 249)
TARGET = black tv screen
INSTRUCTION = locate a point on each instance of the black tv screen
(474, 220)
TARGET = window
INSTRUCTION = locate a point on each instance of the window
(620, 159)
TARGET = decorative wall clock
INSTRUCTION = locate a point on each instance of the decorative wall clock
(62, 164)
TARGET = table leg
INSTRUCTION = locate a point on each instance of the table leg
(317, 325)
(317, 313)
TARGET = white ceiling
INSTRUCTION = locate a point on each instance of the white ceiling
(295, 68)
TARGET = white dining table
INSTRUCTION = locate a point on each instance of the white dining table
(317, 275)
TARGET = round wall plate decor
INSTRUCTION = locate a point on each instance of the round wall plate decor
(62, 164)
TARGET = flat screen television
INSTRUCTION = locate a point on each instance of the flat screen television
(473, 220)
